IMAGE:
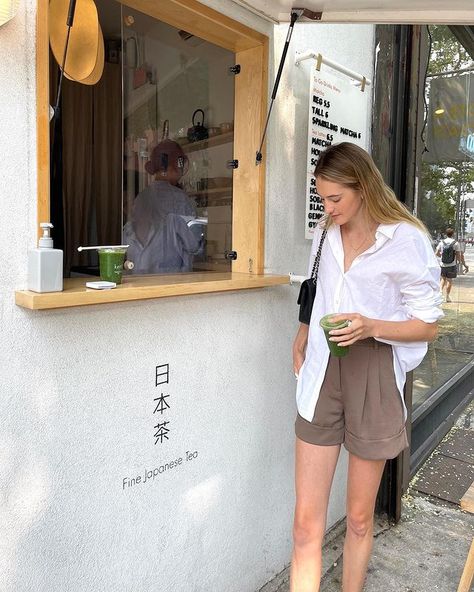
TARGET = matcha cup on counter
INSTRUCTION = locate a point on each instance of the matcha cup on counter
(326, 326)
(111, 262)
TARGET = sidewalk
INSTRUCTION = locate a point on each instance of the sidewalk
(454, 346)
(426, 550)
(460, 311)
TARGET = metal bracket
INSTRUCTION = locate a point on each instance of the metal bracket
(235, 69)
(233, 164)
(319, 61)
(297, 279)
(309, 14)
(230, 255)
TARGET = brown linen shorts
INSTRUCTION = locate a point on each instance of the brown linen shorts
(359, 405)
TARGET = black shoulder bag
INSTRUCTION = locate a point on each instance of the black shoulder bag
(308, 287)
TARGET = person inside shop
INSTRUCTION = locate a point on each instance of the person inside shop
(378, 276)
(158, 235)
(449, 252)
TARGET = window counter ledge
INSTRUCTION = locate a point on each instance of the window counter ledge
(75, 292)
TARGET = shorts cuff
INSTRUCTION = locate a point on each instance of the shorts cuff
(314, 434)
(383, 449)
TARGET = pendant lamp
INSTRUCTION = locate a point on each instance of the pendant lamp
(77, 47)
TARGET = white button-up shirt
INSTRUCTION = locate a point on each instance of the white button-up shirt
(396, 279)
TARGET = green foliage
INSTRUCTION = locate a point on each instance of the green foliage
(444, 184)
(447, 53)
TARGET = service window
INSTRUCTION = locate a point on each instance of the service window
(159, 153)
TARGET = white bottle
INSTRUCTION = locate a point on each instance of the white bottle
(45, 264)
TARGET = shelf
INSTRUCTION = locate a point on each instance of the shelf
(209, 143)
(75, 292)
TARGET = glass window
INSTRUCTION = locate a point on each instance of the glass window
(445, 204)
(141, 158)
(178, 102)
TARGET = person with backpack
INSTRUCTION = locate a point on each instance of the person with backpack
(449, 251)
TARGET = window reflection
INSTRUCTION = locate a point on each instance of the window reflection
(445, 200)
(178, 100)
(140, 157)
(158, 235)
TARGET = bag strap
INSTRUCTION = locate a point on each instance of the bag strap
(314, 273)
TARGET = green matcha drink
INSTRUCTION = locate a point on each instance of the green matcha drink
(327, 326)
(111, 264)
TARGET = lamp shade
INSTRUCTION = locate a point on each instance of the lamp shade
(96, 73)
(8, 10)
(84, 41)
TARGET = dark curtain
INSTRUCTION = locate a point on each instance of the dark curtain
(90, 149)
(108, 169)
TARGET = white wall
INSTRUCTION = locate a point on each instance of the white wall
(76, 402)
(350, 46)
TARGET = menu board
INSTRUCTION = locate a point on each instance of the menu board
(337, 113)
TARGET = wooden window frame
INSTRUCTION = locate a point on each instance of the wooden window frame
(251, 52)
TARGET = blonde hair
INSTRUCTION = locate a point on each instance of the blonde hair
(350, 165)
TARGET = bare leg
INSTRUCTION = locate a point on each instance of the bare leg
(315, 466)
(443, 283)
(362, 485)
(449, 285)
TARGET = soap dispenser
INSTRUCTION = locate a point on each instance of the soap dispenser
(45, 264)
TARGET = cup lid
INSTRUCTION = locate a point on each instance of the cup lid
(324, 322)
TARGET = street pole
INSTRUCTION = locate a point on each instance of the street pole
(458, 200)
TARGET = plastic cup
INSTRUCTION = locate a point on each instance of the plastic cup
(111, 264)
(326, 326)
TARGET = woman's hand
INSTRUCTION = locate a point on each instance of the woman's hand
(299, 347)
(360, 327)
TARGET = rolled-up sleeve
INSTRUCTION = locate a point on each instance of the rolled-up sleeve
(420, 289)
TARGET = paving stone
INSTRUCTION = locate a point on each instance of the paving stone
(445, 477)
(459, 444)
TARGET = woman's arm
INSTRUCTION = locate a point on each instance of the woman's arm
(416, 276)
(362, 327)
(299, 347)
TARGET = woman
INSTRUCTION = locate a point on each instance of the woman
(378, 270)
(158, 234)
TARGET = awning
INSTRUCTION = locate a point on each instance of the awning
(449, 12)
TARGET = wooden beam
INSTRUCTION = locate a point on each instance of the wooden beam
(249, 179)
(200, 20)
(467, 504)
(465, 584)
(467, 500)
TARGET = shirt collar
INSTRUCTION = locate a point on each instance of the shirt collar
(387, 230)
(383, 233)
